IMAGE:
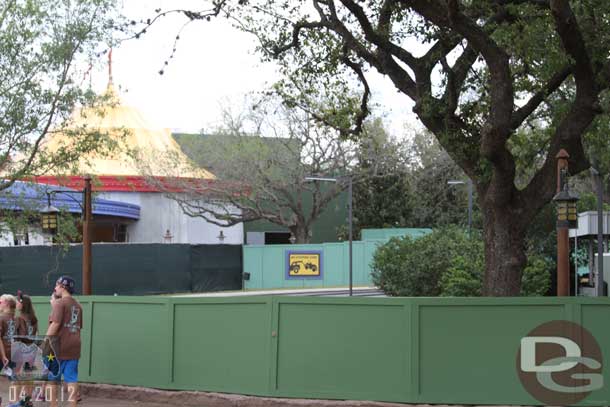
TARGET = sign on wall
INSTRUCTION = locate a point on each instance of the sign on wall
(304, 264)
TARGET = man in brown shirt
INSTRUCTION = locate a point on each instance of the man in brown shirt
(65, 323)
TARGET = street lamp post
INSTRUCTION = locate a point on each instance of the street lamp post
(599, 278)
(350, 221)
(470, 192)
(49, 224)
(567, 218)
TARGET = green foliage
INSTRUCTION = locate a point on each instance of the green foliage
(536, 279)
(383, 199)
(42, 44)
(407, 267)
(434, 202)
(464, 276)
(446, 263)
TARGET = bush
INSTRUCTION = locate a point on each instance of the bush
(446, 263)
(465, 276)
(536, 279)
(414, 267)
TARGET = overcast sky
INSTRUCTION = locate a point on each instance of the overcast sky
(214, 63)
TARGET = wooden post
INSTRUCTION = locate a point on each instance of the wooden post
(87, 215)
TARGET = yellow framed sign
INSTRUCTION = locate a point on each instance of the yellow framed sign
(303, 264)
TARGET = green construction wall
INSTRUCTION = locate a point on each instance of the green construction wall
(411, 350)
(324, 229)
(387, 233)
(267, 265)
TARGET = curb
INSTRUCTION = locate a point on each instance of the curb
(198, 399)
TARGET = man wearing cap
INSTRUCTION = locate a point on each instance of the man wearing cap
(65, 323)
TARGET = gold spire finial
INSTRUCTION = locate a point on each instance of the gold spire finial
(110, 67)
(110, 88)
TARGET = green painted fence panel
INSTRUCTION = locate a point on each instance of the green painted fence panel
(449, 350)
(411, 350)
(596, 318)
(338, 350)
(130, 343)
(387, 233)
(266, 265)
(222, 345)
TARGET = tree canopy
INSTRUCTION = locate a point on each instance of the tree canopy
(44, 50)
(484, 75)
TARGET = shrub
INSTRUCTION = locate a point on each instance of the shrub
(413, 267)
(536, 279)
(447, 263)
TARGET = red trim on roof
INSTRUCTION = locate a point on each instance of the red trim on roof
(117, 183)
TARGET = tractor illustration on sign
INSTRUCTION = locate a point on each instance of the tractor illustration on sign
(311, 266)
(295, 266)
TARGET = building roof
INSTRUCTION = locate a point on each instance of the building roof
(32, 196)
(587, 224)
(156, 152)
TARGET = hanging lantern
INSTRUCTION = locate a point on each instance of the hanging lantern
(567, 215)
(48, 219)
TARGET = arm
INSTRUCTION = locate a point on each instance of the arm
(53, 328)
(3, 354)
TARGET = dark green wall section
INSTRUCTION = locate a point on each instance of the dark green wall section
(412, 350)
(324, 229)
(125, 269)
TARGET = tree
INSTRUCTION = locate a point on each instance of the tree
(435, 202)
(383, 199)
(489, 69)
(261, 159)
(43, 48)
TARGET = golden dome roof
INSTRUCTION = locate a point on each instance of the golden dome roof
(142, 149)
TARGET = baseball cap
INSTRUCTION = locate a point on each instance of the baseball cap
(67, 282)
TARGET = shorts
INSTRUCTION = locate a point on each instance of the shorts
(68, 368)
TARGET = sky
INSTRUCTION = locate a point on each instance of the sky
(215, 65)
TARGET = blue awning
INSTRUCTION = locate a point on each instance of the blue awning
(23, 196)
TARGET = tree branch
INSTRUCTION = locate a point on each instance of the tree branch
(551, 86)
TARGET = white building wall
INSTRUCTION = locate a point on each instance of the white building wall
(35, 237)
(159, 214)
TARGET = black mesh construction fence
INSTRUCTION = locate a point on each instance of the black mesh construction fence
(124, 269)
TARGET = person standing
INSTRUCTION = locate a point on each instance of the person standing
(28, 323)
(65, 324)
(8, 327)
(24, 350)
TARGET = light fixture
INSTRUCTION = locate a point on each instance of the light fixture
(221, 237)
(48, 218)
(567, 215)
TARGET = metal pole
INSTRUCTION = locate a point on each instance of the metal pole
(599, 278)
(87, 215)
(576, 265)
(350, 202)
(469, 207)
(563, 242)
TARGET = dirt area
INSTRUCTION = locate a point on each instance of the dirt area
(100, 395)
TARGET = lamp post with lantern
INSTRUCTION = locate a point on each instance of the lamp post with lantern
(49, 223)
(567, 218)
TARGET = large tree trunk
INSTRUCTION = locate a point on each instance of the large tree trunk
(504, 251)
(301, 233)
